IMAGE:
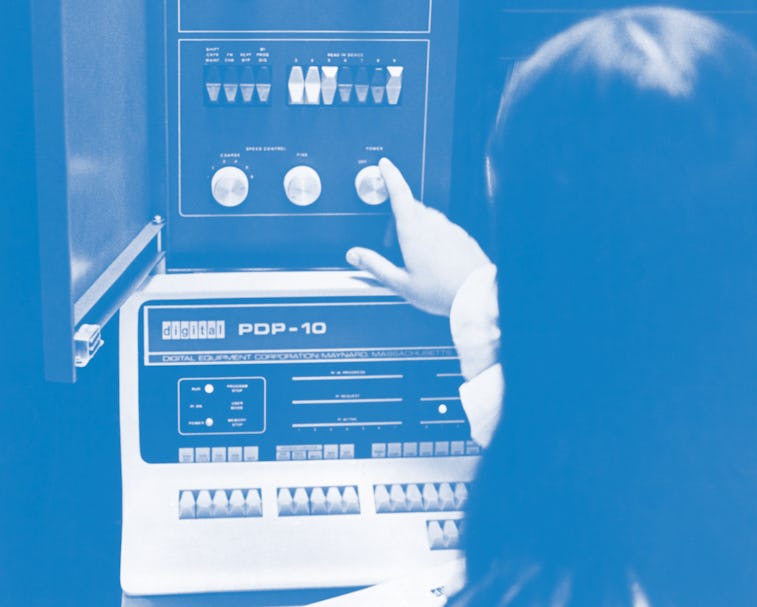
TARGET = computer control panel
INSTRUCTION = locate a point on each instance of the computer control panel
(275, 126)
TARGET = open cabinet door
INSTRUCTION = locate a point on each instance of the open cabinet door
(100, 199)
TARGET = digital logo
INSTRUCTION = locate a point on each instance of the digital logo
(193, 329)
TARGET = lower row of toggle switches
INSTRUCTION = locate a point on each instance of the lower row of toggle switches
(220, 503)
(428, 497)
(444, 534)
(303, 501)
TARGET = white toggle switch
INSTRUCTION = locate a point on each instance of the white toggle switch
(302, 185)
(204, 504)
(370, 186)
(394, 84)
(328, 83)
(446, 497)
(220, 504)
(397, 498)
(430, 497)
(236, 503)
(230, 186)
(187, 505)
(451, 534)
(252, 503)
(435, 534)
(317, 501)
(284, 500)
(301, 502)
(414, 498)
(333, 501)
(313, 86)
(381, 498)
(296, 86)
(350, 501)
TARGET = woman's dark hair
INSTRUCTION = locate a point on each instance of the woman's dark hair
(623, 178)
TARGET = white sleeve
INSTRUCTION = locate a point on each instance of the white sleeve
(482, 399)
(474, 323)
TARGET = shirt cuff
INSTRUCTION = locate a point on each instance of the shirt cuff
(482, 399)
(474, 320)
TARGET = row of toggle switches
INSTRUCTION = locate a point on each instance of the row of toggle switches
(317, 500)
(444, 534)
(239, 84)
(220, 503)
(430, 497)
(316, 85)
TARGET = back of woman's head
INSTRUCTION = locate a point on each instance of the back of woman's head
(623, 174)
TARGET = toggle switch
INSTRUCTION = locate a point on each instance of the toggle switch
(378, 84)
(220, 507)
(247, 84)
(313, 86)
(329, 83)
(263, 83)
(362, 85)
(212, 83)
(370, 186)
(318, 501)
(344, 84)
(204, 504)
(236, 503)
(296, 85)
(187, 505)
(230, 83)
(394, 84)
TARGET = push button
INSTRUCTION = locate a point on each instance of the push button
(247, 84)
(394, 84)
(296, 86)
(187, 505)
(313, 86)
(328, 83)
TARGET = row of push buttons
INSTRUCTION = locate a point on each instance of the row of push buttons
(318, 500)
(220, 503)
(316, 85)
(240, 84)
(204, 455)
(430, 497)
(425, 449)
(311, 452)
(444, 534)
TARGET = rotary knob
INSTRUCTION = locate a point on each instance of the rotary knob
(370, 186)
(230, 186)
(302, 185)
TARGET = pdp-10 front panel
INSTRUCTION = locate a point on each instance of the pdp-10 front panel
(286, 430)
(278, 112)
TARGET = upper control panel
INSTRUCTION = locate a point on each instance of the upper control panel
(274, 138)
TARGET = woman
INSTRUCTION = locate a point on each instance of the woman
(623, 175)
